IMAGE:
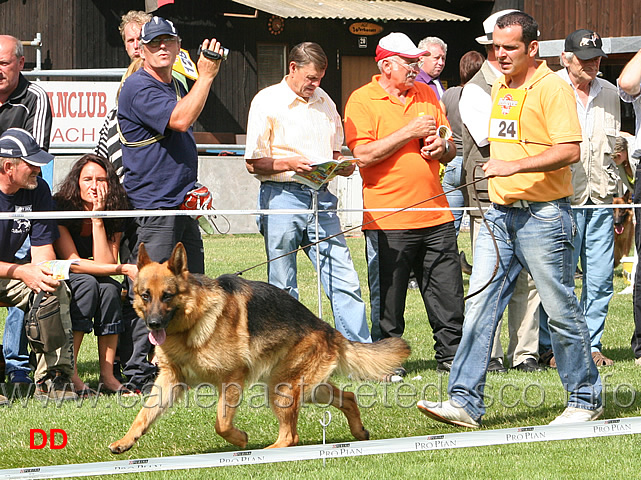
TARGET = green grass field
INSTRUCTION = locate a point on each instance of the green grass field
(517, 400)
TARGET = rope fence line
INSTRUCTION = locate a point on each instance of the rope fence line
(59, 215)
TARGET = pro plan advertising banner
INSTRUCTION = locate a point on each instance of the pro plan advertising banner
(79, 110)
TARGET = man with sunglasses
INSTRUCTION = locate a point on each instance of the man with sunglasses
(391, 125)
(160, 160)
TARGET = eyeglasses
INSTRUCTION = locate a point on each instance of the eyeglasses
(155, 43)
(410, 66)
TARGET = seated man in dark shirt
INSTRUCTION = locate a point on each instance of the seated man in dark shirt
(22, 190)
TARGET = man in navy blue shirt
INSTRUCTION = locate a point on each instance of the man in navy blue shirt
(22, 190)
(160, 161)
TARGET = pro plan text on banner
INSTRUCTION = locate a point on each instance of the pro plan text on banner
(79, 110)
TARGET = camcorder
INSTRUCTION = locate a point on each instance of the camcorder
(211, 55)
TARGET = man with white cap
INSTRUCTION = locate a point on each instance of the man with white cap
(595, 180)
(160, 161)
(475, 107)
(391, 125)
(23, 190)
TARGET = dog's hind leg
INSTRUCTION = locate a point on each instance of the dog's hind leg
(230, 397)
(165, 391)
(285, 400)
(326, 393)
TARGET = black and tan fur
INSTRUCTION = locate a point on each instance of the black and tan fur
(623, 228)
(228, 331)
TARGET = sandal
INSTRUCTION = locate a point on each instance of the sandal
(391, 378)
(86, 392)
(601, 360)
(547, 359)
(122, 391)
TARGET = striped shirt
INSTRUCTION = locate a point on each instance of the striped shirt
(28, 107)
(109, 143)
(282, 124)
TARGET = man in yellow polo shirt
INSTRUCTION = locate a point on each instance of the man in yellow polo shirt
(534, 137)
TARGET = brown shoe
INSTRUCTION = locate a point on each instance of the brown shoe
(547, 359)
(601, 360)
(55, 386)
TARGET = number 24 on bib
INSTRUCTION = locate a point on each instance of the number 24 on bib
(506, 114)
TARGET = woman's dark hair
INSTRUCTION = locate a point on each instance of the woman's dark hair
(68, 199)
(469, 64)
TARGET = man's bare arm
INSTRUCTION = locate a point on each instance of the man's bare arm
(555, 157)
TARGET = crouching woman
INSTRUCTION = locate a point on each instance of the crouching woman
(92, 185)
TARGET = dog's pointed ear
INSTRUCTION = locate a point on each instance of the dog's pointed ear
(143, 258)
(177, 263)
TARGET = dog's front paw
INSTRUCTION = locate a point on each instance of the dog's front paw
(119, 447)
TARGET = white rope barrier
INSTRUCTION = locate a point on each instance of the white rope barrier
(60, 215)
(506, 436)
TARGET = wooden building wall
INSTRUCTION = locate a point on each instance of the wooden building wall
(611, 18)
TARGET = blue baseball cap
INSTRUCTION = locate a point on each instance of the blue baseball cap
(155, 27)
(18, 143)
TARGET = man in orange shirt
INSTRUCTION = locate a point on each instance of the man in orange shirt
(391, 125)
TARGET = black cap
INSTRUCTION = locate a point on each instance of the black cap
(585, 44)
(18, 143)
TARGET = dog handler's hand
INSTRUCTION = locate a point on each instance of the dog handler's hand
(206, 66)
(499, 168)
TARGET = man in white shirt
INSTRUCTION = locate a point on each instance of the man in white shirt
(290, 124)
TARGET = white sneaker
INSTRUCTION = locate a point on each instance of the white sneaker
(447, 413)
(577, 415)
(637, 362)
(4, 400)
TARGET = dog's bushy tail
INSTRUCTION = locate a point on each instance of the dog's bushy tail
(372, 361)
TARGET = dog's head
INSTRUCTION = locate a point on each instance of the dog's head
(621, 215)
(158, 290)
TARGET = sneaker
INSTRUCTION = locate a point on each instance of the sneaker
(601, 360)
(443, 367)
(577, 415)
(4, 400)
(55, 386)
(19, 377)
(496, 366)
(637, 362)
(447, 413)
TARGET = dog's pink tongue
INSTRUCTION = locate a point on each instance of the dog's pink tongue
(157, 337)
(618, 229)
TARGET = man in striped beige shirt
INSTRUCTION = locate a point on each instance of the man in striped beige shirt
(290, 125)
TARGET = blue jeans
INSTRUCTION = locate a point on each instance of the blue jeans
(538, 238)
(451, 181)
(594, 245)
(14, 340)
(284, 233)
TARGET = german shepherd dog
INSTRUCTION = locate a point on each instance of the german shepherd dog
(623, 228)
(228, 332)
